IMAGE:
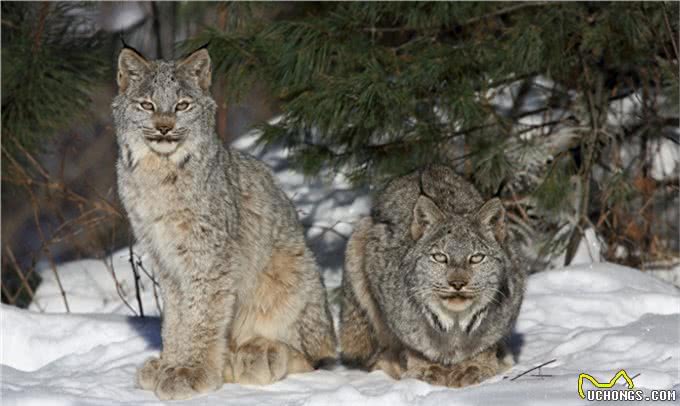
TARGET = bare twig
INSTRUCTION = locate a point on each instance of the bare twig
(140, 265)
(41, 25)
(533, 369)
(22, 277)
(10, 299)
(670, 31)
(154, 284)
(119, 289)
(136, 276)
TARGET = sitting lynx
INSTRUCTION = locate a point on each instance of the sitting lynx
(243, 300)
(431, 286)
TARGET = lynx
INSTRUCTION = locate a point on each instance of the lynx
(243, 299)
(432, 285)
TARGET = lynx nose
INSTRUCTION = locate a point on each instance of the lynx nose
(457, 284)
(164, 128)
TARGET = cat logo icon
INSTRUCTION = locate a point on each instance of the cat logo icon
(605, 385)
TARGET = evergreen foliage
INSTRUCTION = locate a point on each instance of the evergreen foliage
(376, 89)
(379, 88)
(51, 59)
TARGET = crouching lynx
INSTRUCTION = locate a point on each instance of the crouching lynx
(243, 300)
(432, 285)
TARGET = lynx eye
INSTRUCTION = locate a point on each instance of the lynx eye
(181, 106)
(477, 258)
(441, 258)
(147, 106)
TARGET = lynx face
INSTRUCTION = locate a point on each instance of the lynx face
(457, 263)
(163, 105)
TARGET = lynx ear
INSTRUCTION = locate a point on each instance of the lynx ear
(131, 66)
(425, 215)
(492, 216)
(197, 67)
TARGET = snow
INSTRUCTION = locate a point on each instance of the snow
(594, 317)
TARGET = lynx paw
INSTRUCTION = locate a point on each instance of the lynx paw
(466, 375)
(432, 374)
(147, 375)
(260, 362)
(183, 382)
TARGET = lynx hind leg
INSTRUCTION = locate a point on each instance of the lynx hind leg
(260, 361)
(359, 347)
(358, 344)
(314, 325)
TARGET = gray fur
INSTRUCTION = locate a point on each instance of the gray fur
(240, 287)
(393, 316)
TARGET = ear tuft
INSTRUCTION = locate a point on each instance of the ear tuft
(131, 66)
(197, 66)
(492, 216)
(425, 215)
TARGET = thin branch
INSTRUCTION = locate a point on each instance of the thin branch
(508, 10)
(533, 369)
(41, 25)
(119, 289)
(154, 284)
(22, 277)
(670, 31)
(135, 273)
(474, 20)
(157, 29)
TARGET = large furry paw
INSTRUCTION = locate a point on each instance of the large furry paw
(468, 374)
(433, 374)
(260, 362)
(147, 375)
(465, 373)
(184, 382)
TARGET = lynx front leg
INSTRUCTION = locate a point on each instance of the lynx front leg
(147, 375)
(197, 351)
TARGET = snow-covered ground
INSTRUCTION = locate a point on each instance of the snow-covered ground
(594, 318)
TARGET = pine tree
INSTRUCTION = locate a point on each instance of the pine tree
(376, 89)
(51, 60)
